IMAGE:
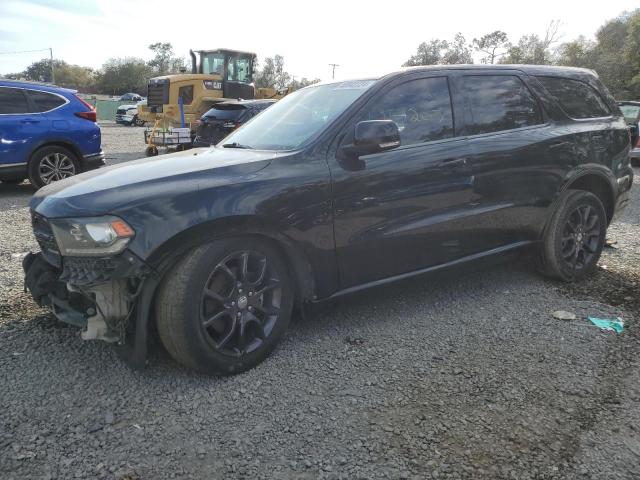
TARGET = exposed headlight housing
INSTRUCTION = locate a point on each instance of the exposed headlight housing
(91, 236)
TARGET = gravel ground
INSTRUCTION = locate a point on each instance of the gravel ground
(458, 375)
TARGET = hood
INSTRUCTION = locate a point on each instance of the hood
(104, 190)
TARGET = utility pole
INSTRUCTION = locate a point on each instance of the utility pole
(333, 71)
(53, 75)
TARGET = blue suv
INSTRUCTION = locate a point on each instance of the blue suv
(47, 133)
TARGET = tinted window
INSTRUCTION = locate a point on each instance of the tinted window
(497, 103)
(186, 93)
(12, 100)
(577, 99)
(231, 113)
(421, 109)
(45, 101)
(630, 112)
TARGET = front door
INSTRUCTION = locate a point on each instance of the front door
(404, 209)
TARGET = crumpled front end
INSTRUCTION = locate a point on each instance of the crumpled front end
(97, 294)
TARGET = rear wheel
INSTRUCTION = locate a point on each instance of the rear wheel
(225, 306)
(574, 238)
(50, 164)
(151, 151)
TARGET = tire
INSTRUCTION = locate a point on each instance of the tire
(213, 319)
(151, 151)
(137, 122)
(574, 238)
(43, 162)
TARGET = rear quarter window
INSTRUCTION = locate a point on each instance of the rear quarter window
(578, 99)
(44, 101)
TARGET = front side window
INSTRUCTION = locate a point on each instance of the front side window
(577, 99)
(299, 117)
(239, 69)
(12, 101)
(45, 101)
(421, 109)
(186, 93)
(498, 102)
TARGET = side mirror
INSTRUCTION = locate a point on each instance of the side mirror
(373, 136)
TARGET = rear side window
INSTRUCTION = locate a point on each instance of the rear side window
(421, 109)
(577, 99)
(497, 103)
(12, 101)
(45, 101)
(187, 94)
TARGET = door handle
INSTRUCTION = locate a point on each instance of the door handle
(29, 120)
(454, 162)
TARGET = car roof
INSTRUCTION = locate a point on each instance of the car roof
(540, 70)
(46, 87)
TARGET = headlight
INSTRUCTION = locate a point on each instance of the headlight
(91, 236)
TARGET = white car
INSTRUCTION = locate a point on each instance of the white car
(128, 115)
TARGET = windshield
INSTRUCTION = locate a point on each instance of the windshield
(630, 112)
(298, 118)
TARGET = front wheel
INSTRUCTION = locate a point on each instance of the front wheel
(574, 238)
(225, 306)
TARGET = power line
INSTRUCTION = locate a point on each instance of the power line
(24, 51)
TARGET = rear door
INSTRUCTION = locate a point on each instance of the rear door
(516, 157)
(19, 128)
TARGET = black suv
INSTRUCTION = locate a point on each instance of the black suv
(225, 117)
(335, 188)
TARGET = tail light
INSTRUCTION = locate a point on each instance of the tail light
(90, 115)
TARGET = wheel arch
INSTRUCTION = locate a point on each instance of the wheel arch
(598, 183)
(167, 254)
(60, 143)
(163, 258)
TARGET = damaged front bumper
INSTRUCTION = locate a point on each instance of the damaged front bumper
(99, 295)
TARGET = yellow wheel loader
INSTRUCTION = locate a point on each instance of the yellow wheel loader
(216, 76)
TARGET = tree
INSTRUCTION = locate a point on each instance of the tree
(272, 74)
(531, 49)
(458, 51)
(494, 45)
(66, 75)
(121, 75)
(164, 61)
(303, 82)
(428, 53)
(437, 51)
(576, 53)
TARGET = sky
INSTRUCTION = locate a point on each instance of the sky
(365, 38)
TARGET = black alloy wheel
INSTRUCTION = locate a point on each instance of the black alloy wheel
(240, 303)
(580, 237)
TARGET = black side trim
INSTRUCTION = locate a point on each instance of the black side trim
(468, 258)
